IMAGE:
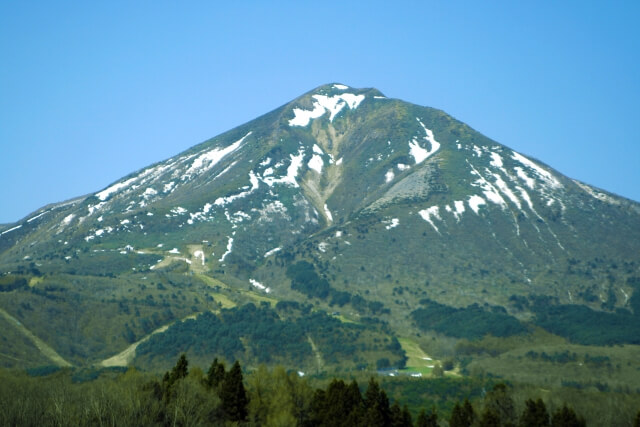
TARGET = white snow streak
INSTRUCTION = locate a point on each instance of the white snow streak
(229, 248)
(542, 173)
(322, 104)
(104, 194)
(530, 182)
(210, 158)
(271, 252)
(426, 214)
(496, 160)
(259, 285)
(11, 229)
(292, 172)
(394, 223)
(199, 254)
(419, 153)
(388, 177)
(327, 212)
(316, 163)
(459, 205)
(474, 203)
(222, 201)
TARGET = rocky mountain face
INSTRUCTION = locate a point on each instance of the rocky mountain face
(343, 198)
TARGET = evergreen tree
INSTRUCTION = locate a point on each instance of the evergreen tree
(566, 417)
(535, 414)
(396, 415)
(406, 417)
(462, 415)
(376, 402)
(400, 417)
(425, 420)
(179, 371)
(216, 374)
(499, 403)
(233, 395)
(340, 402)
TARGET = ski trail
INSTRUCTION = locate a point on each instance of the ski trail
(44, 348)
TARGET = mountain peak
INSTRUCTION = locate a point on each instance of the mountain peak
(371, 192)
(330, 98)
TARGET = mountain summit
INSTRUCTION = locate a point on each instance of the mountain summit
(344, 198)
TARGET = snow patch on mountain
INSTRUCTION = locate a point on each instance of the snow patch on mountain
(268, 211)
(104, 194)
(327, 213)
(316, 163)
(394, 222)
(496, 160)
(11, 229)
(475, 202)
(426, 214)
(199, 254)
(529, 182)
(545, 175)
(504, 189)
(490, 192)
(259, 285)
(419, 153)
(271, 252)
(229, 248)
(388, 177)
(322, 104)
(255, 183)
(596, 194)
(210, 158)
(292, 172)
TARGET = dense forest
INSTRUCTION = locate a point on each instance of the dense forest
(228, 396)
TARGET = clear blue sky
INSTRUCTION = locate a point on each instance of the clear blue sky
(90, 91)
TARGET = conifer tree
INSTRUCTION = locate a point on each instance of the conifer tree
(216, 374)
(499, 403)
(396, 415)
(535, 414)
(233, 395)
(462, 415)
(425, 420)
(179, 371)
(376, 402)
(566, 417)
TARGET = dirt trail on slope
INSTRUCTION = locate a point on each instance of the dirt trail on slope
(125, 357)
(319, 360)
(44, 348)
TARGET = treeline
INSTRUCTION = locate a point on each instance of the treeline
(306, 280)
(227, 397)
(472, 322)
(262, 334)
(582, 325)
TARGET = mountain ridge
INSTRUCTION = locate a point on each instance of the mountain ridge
(341, 198)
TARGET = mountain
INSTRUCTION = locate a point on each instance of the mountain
(342, 200)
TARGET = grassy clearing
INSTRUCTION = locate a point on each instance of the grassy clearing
(417, 360)
(259, 298)
(212, 282)
(224, 300)
(343, 319)
(34, 281)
